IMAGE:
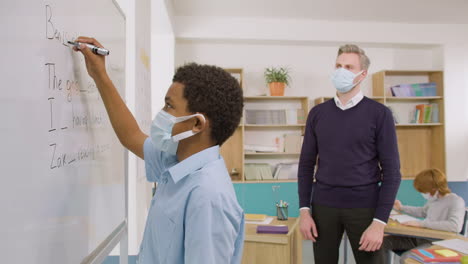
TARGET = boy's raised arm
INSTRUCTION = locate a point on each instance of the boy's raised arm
(122, 120)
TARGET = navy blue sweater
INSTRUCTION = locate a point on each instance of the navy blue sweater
(354, 151)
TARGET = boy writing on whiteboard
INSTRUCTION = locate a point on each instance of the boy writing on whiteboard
(194, 216)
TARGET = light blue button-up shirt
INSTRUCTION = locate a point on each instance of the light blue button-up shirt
(194, 216)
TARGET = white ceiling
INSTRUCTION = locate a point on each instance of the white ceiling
(399, 11)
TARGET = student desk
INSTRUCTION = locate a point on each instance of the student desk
(273, 248)
(395, 228)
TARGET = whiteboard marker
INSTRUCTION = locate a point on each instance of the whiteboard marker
(94, 49)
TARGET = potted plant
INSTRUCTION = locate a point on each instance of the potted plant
(277, 79)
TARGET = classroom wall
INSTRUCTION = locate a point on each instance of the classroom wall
(311, 63)
(163, 48)
(396, 45)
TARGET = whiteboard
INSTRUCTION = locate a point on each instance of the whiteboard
(63, 184)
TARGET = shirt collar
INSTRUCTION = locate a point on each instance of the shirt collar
(193, 163)
(351, 103)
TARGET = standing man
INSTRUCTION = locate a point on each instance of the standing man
(352, 140)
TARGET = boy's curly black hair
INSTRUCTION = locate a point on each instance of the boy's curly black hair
(215, 93)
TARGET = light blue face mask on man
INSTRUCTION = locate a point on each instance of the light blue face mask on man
(161, 131)
(343, 80)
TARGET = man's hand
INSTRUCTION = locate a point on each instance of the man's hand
(307, 226)
(412, 223)
(397, 205)
(372, 238)
(95, 64)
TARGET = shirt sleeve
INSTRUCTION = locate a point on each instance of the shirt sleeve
(211, 233)
(307, 162)
(153, 161)
(415, 211)
(454, 221)
(389, 158)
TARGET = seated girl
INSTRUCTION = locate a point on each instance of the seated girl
(443, 210)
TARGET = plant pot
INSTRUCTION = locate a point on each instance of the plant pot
(277, 88)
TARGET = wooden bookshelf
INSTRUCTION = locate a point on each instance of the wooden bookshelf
(421, 145)
(233, 150)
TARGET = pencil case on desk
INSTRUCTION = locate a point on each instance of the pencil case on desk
(271, 229)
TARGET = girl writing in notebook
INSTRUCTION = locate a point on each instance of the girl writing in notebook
(443, 210)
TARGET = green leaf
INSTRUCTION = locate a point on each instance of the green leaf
(281, 74)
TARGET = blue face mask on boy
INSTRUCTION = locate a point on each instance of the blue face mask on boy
(161, 131)
(343, 80)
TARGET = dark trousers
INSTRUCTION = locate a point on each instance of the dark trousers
(399, 243)
(331, 223)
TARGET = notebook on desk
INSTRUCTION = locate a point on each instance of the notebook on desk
(455, 244)
(255, 217)
(401, 218)
(272, 229)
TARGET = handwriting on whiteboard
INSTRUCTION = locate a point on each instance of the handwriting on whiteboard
(75, 107)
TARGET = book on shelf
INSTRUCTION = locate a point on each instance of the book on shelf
(435, 113)
(293, 142)
(414, 90)
(249, 148)
(286, 143)
(420, 109)
(274, 117)
(426, 113)
(258, 172)
(286, 171)
(417, 113)
(301, 116)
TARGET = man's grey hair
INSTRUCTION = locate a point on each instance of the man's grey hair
(351, 48)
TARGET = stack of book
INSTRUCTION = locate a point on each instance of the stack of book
(416, 89)
(435, 256)
(274, 117)
(426, 113)
(286, 171)
(258, 172)
(287, 143)
(249, 148)
(262, 171)
(265, 117)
